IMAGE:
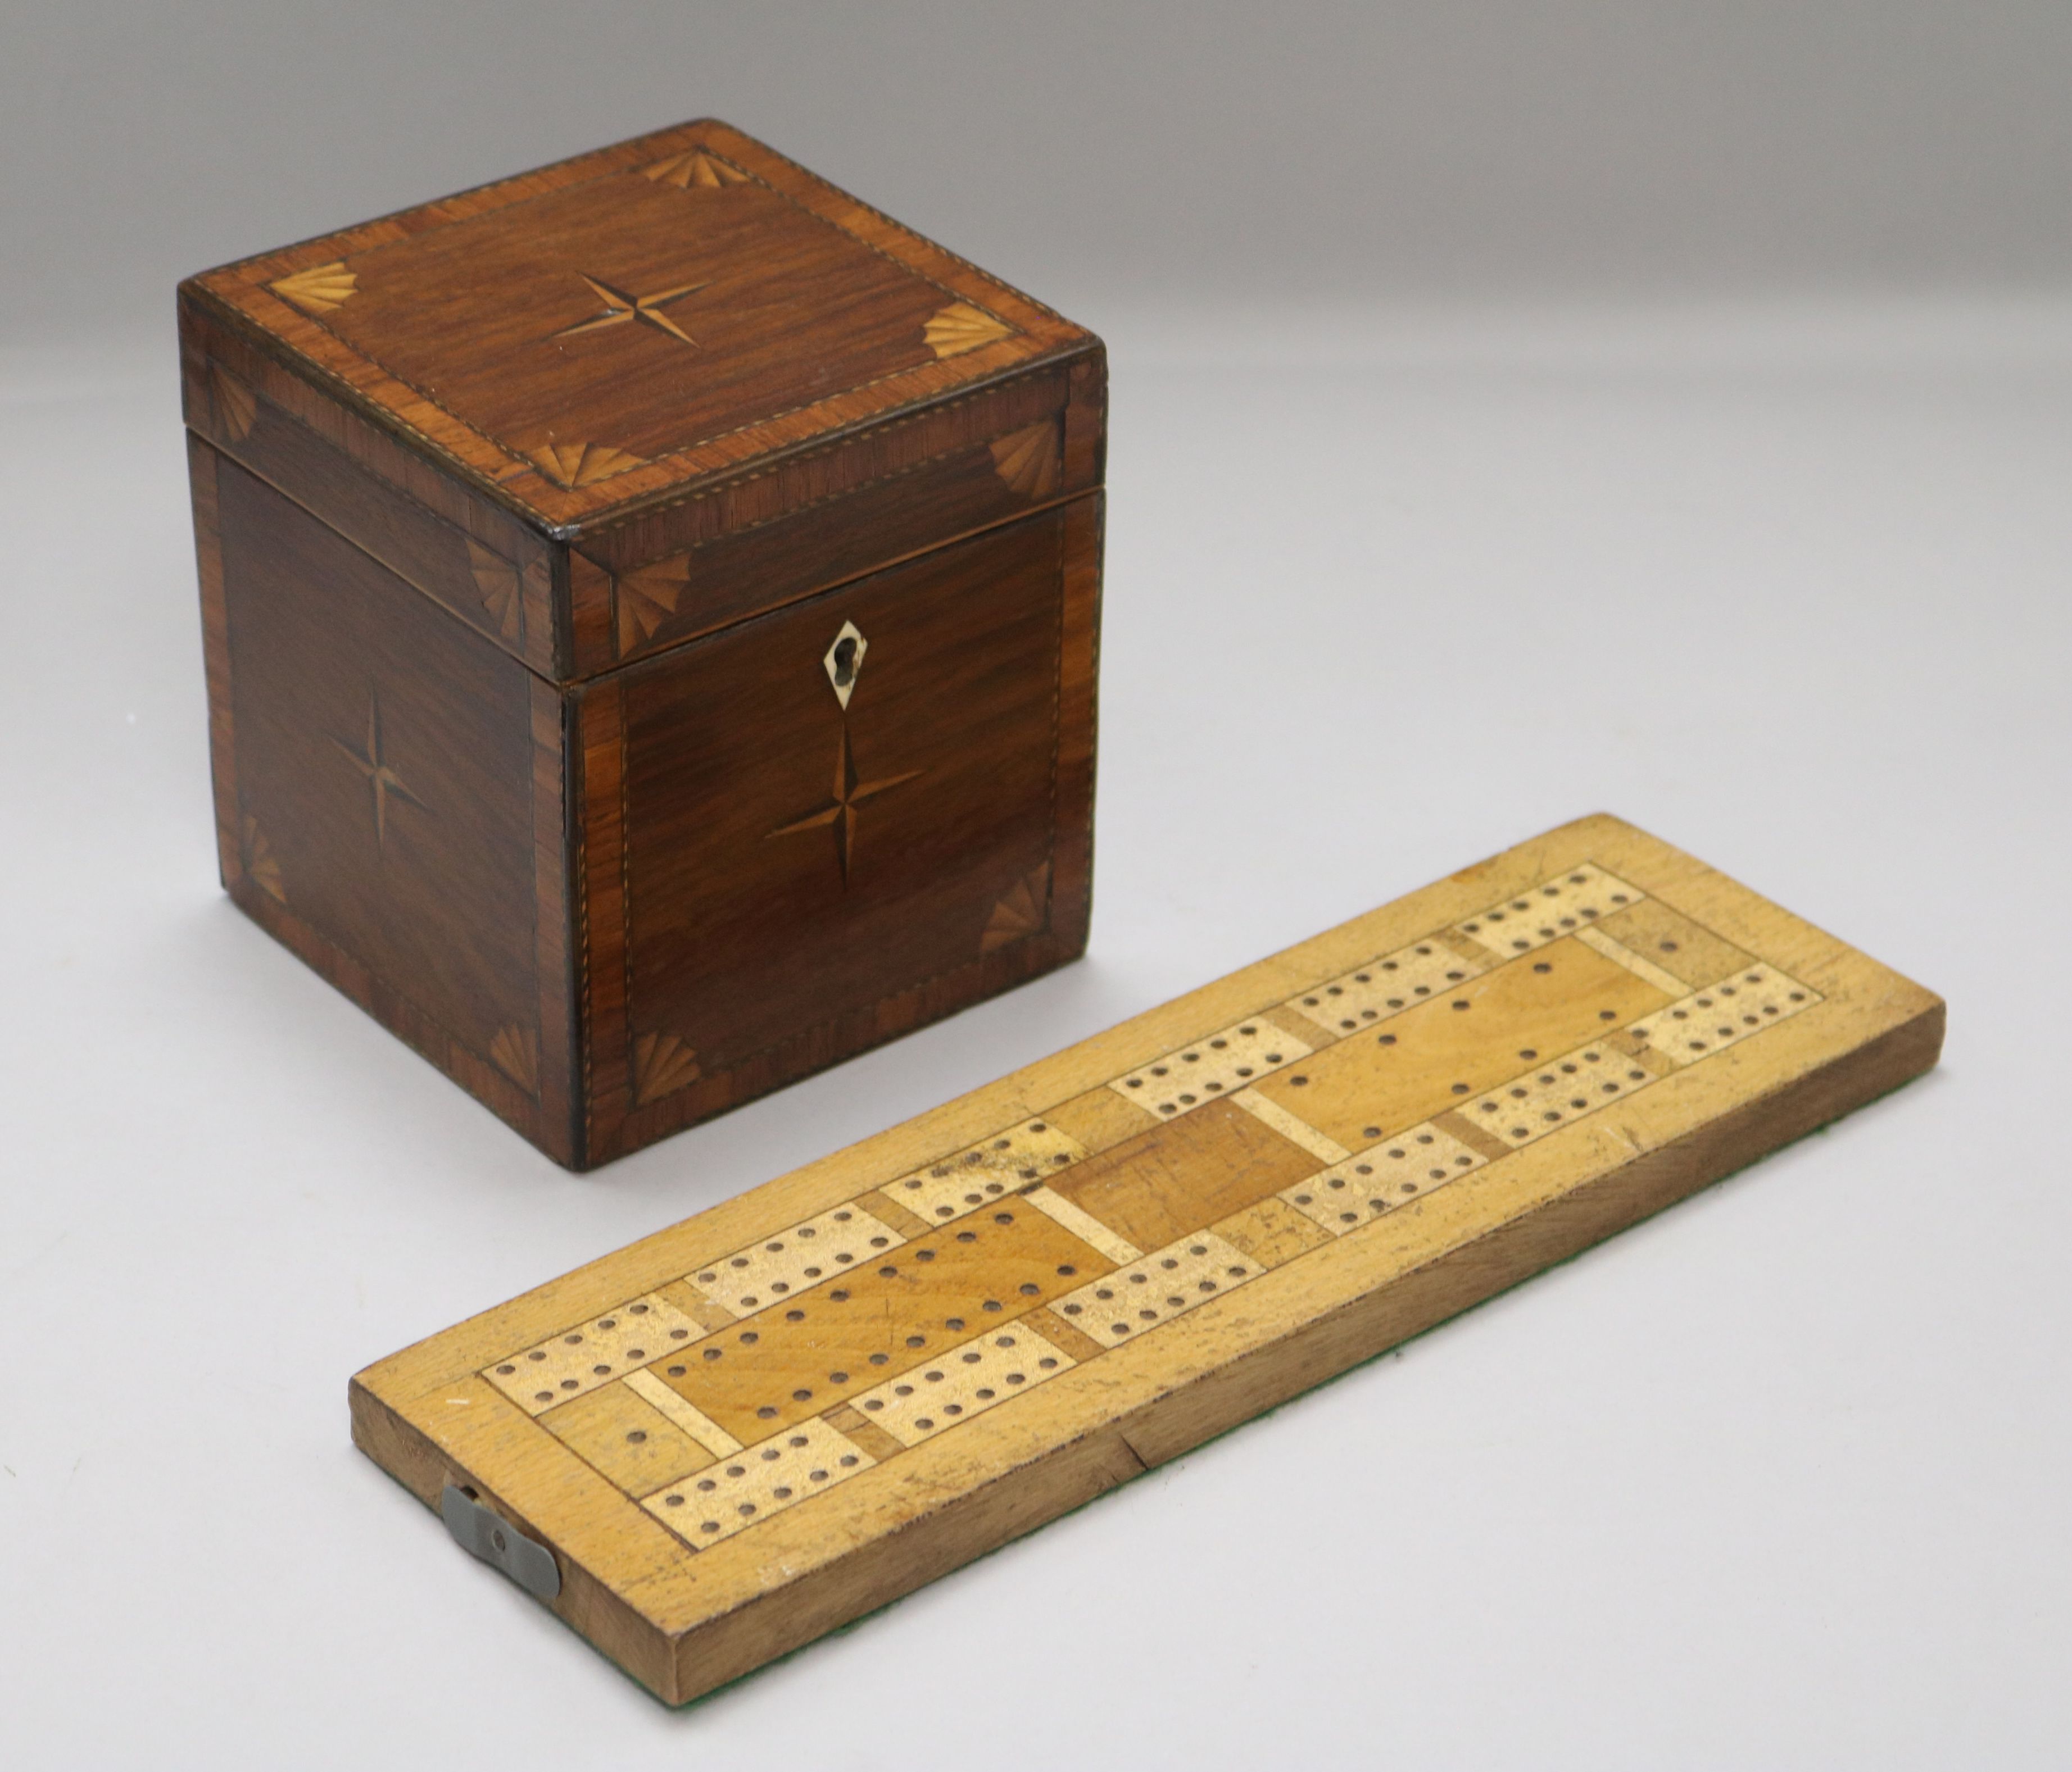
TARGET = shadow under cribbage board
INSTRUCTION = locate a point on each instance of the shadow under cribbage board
(752, 1427)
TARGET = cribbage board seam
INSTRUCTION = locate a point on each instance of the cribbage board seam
(584, 1458)
(1470, 1160)
(366, 355)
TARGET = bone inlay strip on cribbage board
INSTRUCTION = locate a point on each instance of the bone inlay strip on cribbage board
(1313, 1136)
(652, 1339)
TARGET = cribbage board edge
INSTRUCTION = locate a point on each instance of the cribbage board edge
(683, 1631)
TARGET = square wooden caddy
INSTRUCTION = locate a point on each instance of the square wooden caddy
(651, 608)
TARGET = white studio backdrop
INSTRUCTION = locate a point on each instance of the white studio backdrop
(1093, 149)
(1674, 420)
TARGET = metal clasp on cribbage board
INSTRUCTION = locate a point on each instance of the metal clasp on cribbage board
(487, 1535)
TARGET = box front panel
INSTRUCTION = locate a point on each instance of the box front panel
(839, 821)
(386, 812)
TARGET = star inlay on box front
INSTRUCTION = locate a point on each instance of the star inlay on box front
(855, 788)
(841, 812)
(844, 663)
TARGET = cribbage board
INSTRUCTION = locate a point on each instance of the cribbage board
(752, 1427)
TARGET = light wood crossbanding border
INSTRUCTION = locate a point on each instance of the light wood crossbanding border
(1208, 1270)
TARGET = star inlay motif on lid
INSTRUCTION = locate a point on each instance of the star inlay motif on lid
(622, 308)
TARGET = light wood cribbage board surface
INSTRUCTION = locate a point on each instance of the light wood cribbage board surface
(752, 1427)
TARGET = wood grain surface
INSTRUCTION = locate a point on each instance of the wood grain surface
(596, 336)
(569, 483)
(791, 864)
(862, 1375)
(614, 909)
(392, 781)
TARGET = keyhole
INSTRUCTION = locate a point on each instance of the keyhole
(845, 663)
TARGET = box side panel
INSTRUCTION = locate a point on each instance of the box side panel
(780, 872)
(202, 481)
(818, 517)
(393, 805)
(477, 561)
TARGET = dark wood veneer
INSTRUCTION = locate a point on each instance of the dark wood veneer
(527, 524)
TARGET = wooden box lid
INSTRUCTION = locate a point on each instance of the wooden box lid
(613, 332)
